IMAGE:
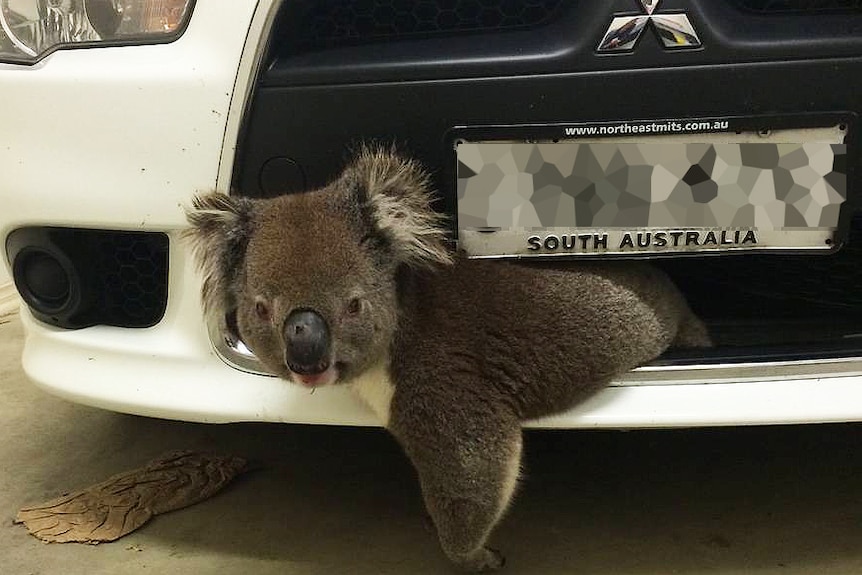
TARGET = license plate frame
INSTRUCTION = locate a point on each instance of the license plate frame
(814, 138)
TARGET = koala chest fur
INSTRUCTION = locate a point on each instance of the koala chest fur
(375, 387)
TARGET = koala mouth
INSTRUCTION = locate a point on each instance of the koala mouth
(326, 377)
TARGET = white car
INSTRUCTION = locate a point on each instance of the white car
(735, 119)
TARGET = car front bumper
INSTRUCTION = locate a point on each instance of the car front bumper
(121, 139)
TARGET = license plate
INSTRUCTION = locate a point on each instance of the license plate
(639, 195)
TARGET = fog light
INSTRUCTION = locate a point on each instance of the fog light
(43, 281)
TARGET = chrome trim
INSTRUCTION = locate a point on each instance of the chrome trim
(707, 373)
(258, 40)
(233, 352)
(649, 5)
(623, 33)
(517, 243)
(673, 29)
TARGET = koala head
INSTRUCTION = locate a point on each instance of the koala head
(311, 277)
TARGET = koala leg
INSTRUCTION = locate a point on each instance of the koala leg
(466, 506)
(692, 332)
(468, 466)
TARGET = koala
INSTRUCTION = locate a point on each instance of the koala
(355, 285)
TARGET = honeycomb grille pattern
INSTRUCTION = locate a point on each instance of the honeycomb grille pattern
(323, 23)
(131, 278)
(803, 6)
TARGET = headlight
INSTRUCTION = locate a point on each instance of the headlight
(30, 29)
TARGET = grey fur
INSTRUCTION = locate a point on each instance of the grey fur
(406, 219)
(473, 347)
(220, 233)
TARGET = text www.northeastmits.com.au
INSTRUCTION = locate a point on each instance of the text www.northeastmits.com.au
(668, 127)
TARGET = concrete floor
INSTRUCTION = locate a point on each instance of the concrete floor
(344, 501)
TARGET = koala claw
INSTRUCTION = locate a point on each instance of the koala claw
(498, 559)
(483, 560)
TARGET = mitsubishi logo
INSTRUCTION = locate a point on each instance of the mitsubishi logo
(673, 29)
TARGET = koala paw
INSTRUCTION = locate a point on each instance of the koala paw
(481, 561)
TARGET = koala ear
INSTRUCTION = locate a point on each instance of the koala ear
(395, 197)
(221, 228)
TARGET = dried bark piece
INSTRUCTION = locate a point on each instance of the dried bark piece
(121, 504)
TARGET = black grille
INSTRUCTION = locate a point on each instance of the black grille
(132, 278)
(117, 278)
(308, 24)
(776, 286)
(800, 6)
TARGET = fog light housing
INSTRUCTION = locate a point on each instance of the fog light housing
(43, 280)
(74, 277)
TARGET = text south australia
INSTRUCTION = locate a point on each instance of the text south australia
(641, 240)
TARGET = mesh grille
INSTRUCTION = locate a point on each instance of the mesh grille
(805, 6)
(131, 278)
(781, 287)
(308, 24)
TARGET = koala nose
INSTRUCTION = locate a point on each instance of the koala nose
(307, 342)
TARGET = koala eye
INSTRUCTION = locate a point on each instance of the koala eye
(262, 311)
(354, 306)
